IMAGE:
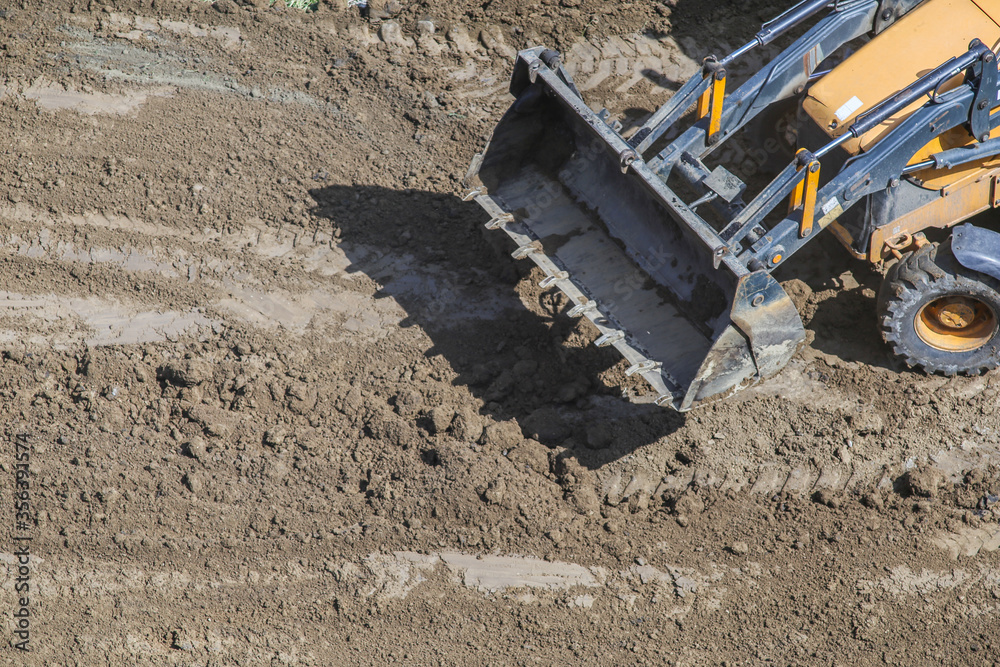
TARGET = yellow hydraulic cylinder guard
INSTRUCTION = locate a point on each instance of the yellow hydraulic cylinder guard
(711, 101)
(804, 196)
(704, 103)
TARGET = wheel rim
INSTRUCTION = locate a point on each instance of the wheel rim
(956, 323)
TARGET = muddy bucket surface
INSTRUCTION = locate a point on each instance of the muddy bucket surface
(606, 233)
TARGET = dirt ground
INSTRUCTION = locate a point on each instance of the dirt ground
(285, 403)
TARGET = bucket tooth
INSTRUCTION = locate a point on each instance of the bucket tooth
(641, 367)
(499, 221)
(524, 251)
(582, 309)
(609, 338)
(549, 281)
(473, 193)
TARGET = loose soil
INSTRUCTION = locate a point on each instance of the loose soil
(287, 403)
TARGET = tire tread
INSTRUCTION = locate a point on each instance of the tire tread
(904, 284)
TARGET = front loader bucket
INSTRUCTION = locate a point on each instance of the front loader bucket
(695, 323)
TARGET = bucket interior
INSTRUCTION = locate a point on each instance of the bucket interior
(615, 239)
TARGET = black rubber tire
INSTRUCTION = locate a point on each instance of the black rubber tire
(919, 278)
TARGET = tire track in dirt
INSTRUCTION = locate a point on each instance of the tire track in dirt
(315, 290)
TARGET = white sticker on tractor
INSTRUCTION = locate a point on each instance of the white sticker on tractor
(845, 112)
(830, 205)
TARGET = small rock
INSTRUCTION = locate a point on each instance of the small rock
(500, 388)
(195, 448)
(495, 492)
(683, 521)
(585, 499)
(572, 473)
(413, 523)
(217, 429)
(426, 27)
(274, 437)
(492, 38)
(467, 425)
(383, 10)
(867, 422)
(530, 455)
(180, 641)
(391, 33)
(571, 391)
(638, 502)
(459, 36)
(740, 548)
(689, 504)
(302, 397)
(428, 45)
(827, 497)
(923, 481)
(600, 436)
(408, 402)
(547, 425)
(225, 6)
(502, 435)
(353, 402)
(441, 418)
(192, 482)
(191, 397)
(873, 501)
(430, 100)
(107, 495)
(844, 454)
(186, 373)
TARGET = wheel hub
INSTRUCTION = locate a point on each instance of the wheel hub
(956, 314)
(956, 323)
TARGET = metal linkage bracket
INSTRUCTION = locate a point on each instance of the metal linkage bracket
(985, 69)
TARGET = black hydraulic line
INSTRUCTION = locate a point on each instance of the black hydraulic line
(904, 98)
(957, 156)
(925, 84)
(664, 117)
(920, 166)
(771, 30)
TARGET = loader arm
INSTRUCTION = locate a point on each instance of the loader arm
(779, 80)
